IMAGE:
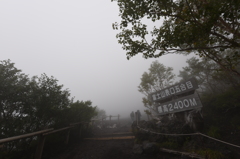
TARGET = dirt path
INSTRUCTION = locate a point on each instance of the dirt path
(108, 149)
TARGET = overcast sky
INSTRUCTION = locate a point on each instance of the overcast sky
(73, 41)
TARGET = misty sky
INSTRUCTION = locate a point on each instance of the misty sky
(73, 41)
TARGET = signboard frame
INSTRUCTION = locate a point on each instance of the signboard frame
(174, 90)
(181, 104)
(177, 98)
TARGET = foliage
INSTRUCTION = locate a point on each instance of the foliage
(209, 75)
(47, 100)
(221, 109)
(235, 122)
(224, 101)
(148, 113)
(206, 28)
(158, 77)
(219, 95)
(81, 111)
(214, 132)
(169, 144)
(32, 104)
(14, 87)
(208, 153)
(100, 113)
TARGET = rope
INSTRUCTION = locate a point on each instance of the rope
(190, 135)
(219, 140)
(168, 134)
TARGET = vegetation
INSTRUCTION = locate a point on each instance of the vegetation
(208, 153)
(100, 113)
(205, 28)
(210, 30)
(219, 92)
(158, 77)
(169, 145)
(211, 78)
(32, 104)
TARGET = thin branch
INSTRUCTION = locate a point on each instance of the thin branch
(197, 48)
(235, 44)
(191, 11)
(228, 28)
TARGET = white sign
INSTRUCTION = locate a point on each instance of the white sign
(181, 104)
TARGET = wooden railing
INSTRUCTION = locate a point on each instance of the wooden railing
(42, 136)
(104, 118)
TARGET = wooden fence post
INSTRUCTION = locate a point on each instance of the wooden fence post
(38, 154)
(80, 130)
(67, 137)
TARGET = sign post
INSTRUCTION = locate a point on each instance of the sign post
(177, 98)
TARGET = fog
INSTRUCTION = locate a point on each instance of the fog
(74, 42)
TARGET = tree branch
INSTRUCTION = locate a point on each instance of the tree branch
(234, 44)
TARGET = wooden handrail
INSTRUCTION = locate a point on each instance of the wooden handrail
(37, 133)
(82, 122)
(55, 131)
(42, 136)
(24, 136)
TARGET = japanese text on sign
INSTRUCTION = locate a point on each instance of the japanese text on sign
(177, 89)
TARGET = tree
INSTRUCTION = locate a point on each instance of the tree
(100, 112)
(158, 78)
(32, 104)
(209, 75)
(81, 111)
(47, 99)
(202, 70)
(203, 27)
(14, 87)
(28, 105)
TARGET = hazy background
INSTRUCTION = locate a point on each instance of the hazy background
(73, 41)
